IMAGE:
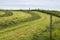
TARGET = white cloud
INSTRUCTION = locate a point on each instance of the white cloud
(48, 4)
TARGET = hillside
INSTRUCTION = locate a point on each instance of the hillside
(28, 25)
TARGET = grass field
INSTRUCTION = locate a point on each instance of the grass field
(27, 25)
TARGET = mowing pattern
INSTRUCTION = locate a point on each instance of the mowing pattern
(17, 20)
(25, 25)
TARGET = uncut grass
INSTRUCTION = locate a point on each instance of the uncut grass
(56, 30)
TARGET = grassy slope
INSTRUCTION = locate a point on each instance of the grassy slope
(28, 30)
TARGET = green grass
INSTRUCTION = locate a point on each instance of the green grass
(28, 25)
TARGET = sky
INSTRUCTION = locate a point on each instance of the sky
(25, 4)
